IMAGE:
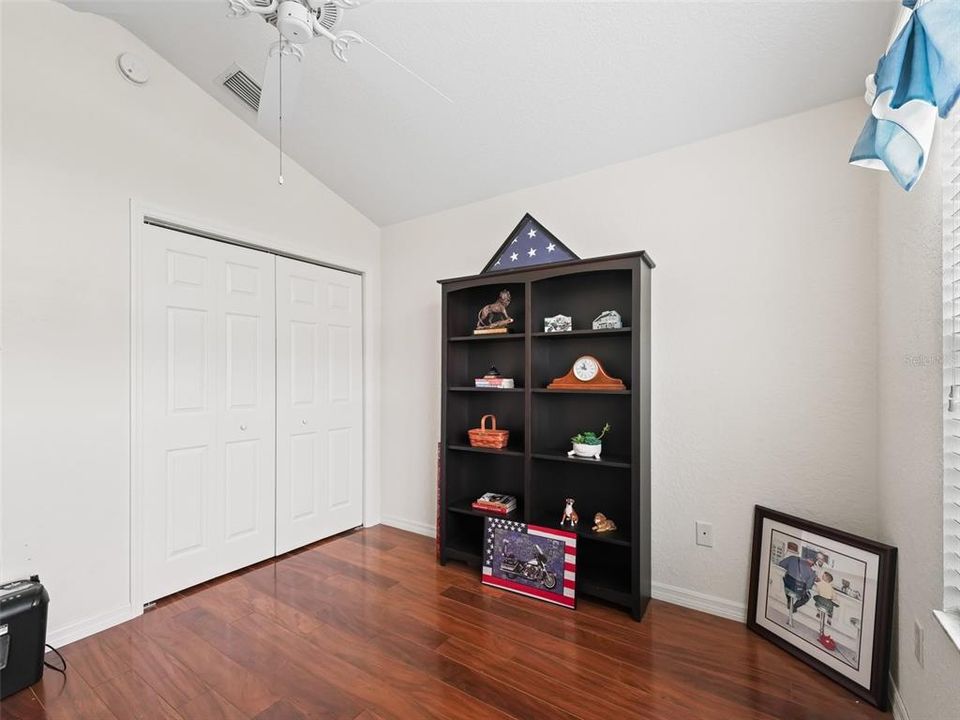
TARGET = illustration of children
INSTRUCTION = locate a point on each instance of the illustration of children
(823, 594)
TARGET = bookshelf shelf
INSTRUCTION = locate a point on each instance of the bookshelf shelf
(507, 451)
(546, 391)
(469, 388)
(616, 537)
(535, 468)
(486, 338)
(465, 508)
(588, 463)
(583, 333)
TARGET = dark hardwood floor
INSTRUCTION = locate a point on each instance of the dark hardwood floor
(368, 627)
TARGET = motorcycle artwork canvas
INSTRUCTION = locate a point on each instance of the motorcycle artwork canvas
(531, 560)
(533, 570)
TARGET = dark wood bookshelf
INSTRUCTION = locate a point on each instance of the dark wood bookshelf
(534, 467)
(465, 556)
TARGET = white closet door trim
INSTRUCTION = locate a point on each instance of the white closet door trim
(142, 212)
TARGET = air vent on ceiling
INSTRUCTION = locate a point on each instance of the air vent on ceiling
(243, 86)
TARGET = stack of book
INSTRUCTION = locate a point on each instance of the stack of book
(495, 503)
(494, 382)
(493, 379)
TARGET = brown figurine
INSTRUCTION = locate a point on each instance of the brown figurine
(570, 517)
(486, 321)
(603, 524)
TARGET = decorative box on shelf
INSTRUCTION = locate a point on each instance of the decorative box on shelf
(608, 320)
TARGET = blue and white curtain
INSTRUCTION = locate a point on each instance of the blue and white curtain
(916, 79)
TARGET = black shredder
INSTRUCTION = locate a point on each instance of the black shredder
(23, 633)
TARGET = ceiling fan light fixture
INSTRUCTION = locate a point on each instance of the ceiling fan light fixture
(294, 22)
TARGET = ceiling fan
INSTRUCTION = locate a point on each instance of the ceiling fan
(298, 22)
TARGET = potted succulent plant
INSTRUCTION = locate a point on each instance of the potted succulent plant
(588, 444)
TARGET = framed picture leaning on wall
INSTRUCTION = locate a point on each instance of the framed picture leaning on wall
(826, 597)
(539, 562)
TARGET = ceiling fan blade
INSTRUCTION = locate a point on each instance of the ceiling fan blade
(403, 67)
(286, 58)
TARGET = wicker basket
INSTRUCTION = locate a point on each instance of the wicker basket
(482, 437)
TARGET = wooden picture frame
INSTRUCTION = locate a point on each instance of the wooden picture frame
(840, 623)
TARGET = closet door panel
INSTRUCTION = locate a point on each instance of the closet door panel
(180, 457)
(247, 405)
(208, 409)
(319, 403)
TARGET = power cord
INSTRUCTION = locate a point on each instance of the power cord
(63, 668)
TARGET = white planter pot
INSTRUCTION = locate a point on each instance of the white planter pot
(585, 451)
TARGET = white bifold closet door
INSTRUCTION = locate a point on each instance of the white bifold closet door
(319, 403)
(208, 409)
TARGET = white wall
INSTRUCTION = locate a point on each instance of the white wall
(911, 437)
(78, 141)
(764, 331)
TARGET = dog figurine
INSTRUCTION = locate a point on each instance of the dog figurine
(601, 523)
(497, 308)
(570, 517)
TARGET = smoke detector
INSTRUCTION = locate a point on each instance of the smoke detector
(133, 68)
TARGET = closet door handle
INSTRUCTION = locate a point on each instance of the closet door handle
(303, 422)
(243, 428)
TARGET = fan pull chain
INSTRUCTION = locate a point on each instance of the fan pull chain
(280, 109)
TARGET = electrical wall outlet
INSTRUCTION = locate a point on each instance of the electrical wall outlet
(704, 534)
(918, 641)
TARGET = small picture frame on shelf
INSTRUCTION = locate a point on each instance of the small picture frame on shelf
(608, 320)
(826, 597)
(558, 323)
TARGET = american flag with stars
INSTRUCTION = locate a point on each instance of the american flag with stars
(559, 546)
(529, 244)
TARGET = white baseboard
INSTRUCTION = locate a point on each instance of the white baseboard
(413, 526)
(84, 628)
(700, 601)
(896, 703)
(667, 593)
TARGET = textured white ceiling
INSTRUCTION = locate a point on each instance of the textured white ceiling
(541, 90)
